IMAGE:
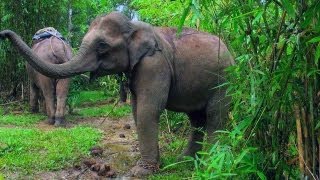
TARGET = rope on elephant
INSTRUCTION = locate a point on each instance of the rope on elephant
(50, 32)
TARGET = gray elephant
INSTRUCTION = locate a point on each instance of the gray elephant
(164, 71)
(49, 45)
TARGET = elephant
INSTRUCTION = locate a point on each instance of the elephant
(50, 46)
(182, 73)
(123, 88)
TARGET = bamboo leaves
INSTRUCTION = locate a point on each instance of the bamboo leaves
(289, 7)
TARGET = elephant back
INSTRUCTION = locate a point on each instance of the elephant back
(49, 38)
(47, 33)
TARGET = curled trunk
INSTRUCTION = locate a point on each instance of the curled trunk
(78, 64)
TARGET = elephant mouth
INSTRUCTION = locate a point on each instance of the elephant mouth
(98, 73)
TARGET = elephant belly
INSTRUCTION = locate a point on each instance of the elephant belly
(198, 72)
(187, 101)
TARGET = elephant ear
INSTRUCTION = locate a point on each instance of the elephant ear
(142, 42)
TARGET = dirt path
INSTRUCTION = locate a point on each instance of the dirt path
(119, 144)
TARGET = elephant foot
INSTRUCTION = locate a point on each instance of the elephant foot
(144, 168)
(34, 110)
(60, 122)
(50, 121)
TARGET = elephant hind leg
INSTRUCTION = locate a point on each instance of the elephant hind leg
(62, 88)
(42, 104)
(48, 90)
(217, 112)
(198, 123)
(34, 97)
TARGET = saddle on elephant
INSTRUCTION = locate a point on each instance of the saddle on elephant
(46, 33)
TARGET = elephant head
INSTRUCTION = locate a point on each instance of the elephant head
(113, 44)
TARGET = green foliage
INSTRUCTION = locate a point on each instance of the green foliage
(106, 111)
(159, 12)
(274, 71)
(87, 97)
(110, 85)
(273, 85)
(21, 120)
(31, 150)
(276, 48)
(83, 13)
(172, 121)
(171, 147)
(25, 18)
(224, 160)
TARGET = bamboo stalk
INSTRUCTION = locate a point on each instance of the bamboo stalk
(299, 138)
(313, 137)
(305, 133)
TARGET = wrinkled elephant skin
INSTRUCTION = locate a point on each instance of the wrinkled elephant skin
(164, 72)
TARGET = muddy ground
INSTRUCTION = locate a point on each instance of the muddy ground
(120, 150)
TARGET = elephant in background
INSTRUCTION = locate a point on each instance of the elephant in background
(50, 47)
(123, 89)
(164, 71)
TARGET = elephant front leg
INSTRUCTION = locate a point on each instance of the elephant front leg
(147, 122)
(150, 86)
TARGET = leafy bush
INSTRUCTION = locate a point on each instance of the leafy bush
(110, 85)
(172, 121)
(273, 86)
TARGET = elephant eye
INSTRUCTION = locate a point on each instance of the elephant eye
(103, 47)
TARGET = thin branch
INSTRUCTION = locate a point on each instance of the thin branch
(106, 116)
(274, 49)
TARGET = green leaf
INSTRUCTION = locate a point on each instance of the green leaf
(314, 40)
(258, 71)
(288, 6)
(261, 175)
(258, 16)
(318, 125)
(239, 158)
(183, 17)
(317, 54)
(174, 164)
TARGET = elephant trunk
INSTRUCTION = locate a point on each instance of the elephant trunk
(77, 65)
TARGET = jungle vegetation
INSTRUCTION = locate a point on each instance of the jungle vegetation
(273, 130)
